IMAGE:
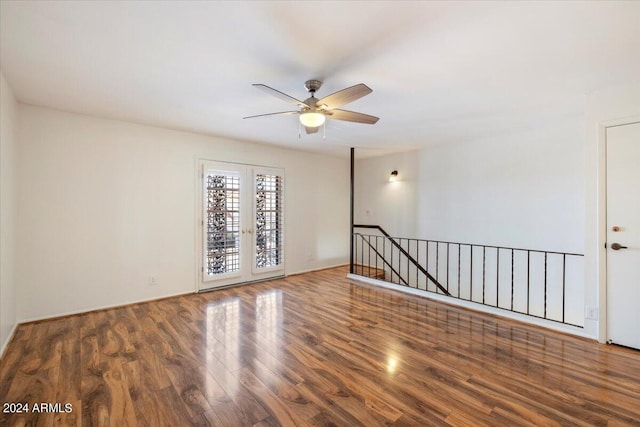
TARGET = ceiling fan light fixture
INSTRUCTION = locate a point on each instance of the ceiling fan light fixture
(312, 119)
(313, 112)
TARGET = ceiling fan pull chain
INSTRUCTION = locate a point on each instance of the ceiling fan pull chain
(324, 131)
(299, 129)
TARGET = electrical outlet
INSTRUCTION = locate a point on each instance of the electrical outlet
(591, 313)
(152, 281)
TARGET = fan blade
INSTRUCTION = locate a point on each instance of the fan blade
(282, 113)
(279, 94)
(344, 96)
(352, 116)
(311, 130)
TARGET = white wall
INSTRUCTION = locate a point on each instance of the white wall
(604, 107)
(8, 141)
(105, 204)
(524, 189)
(391, 205)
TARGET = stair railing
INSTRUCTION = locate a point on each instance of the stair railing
(537, 283)
(409, 257)
(386, 263)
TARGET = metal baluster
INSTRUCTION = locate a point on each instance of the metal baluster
(417, 259)
(437, 261)
(376, 251)
(528, 279)
(408, 249)
(484, 259)
(545, 285)
(427, 282)
(497, 277)
(391, 262)
(511, 279)
(447, 286)
(471, 273)
(384, 255)
(564, 273)
(369, 256)
(458, 270)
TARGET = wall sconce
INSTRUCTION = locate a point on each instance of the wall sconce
(393, 177)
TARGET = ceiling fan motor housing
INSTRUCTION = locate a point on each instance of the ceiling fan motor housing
(312, 85)
(310, 103)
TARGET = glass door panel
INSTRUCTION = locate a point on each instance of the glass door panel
(269, 241)
(242, 224)
(222, 225)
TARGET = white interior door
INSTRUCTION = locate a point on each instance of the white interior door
(623, 235)
(242, 224)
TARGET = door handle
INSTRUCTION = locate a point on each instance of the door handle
(617, 246)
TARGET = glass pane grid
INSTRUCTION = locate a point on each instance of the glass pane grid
(222, 224)
(269, 236)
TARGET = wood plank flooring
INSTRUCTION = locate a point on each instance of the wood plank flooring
(313, 349)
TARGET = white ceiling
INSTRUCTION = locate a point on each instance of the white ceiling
(440, 71)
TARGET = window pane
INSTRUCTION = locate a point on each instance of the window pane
(223, 224)
(269, 241)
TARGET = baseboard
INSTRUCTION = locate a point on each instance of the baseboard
(317, 269)
(106, 307)
(5, 344)
(559, 327)
(90, 310)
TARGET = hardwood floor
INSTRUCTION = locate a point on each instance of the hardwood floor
(313, 349)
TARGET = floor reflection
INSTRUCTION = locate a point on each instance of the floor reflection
(226, 340)
(223, 339)
(269, 325)
(392, 364)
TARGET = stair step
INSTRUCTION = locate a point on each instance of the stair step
(366, 271)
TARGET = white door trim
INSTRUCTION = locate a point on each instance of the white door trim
(602, 220)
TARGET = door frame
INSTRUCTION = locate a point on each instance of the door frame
(199, 165)
(603, 333)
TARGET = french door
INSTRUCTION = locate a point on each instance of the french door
(242, 224)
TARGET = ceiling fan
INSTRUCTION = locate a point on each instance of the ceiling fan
(313, 112)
